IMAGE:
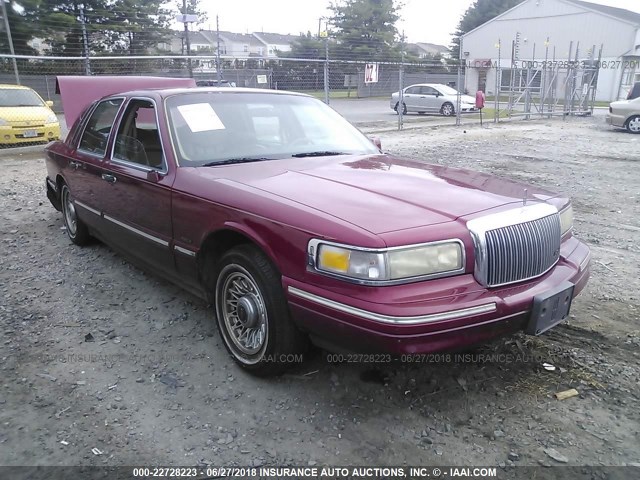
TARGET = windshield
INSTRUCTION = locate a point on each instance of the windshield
(17, 97)
(446, 90)
(212, 128)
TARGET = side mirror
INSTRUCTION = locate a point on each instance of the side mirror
(376, 141)
(153, 176)
(49, 103)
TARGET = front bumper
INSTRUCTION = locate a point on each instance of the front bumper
(12, 135)
(462, 313)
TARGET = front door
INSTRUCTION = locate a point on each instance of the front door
(138, 211)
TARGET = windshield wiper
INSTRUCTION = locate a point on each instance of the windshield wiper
(235, 160)
(326, 153)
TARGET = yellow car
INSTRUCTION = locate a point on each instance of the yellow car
(25, 117)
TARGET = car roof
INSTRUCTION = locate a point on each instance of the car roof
(13, 86)
(428, 85)
(168, 92)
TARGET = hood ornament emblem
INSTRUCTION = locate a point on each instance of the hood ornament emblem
(524, 200)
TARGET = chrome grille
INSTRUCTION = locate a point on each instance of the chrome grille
(516, 245)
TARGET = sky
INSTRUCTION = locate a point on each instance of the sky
(431, 21)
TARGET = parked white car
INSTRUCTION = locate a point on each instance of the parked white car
(432, 98)
(625, 114)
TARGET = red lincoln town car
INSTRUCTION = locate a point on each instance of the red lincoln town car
(296, 227)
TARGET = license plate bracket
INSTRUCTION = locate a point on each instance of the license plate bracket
(550, 308)
(30, 134)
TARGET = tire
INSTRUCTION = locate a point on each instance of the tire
(404, 108)
(77, 231)
(252, 313)
(447, 109)
(633, 124)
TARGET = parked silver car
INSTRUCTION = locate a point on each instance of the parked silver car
(432, 98)
(625, 114)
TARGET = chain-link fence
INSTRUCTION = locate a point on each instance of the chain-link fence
(418, 89)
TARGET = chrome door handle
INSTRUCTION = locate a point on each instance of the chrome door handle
(75, 165)
(107, 177)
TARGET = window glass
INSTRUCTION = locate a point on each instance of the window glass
(412, 90)
(215, 127)
(96, 133)
(18, 97)
(138, 139)
(429, 91)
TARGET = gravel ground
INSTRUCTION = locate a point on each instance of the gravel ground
(95, 353)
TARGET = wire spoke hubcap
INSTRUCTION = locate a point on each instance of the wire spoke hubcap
(69, 213)
(243, 310)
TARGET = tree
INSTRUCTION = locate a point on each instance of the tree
(135, 27)
(480, 12)
(21, 18)
(365, 30)
(306, 46)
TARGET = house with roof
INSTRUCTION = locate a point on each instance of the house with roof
(241, 46)
(275, 42)
(425, 51)
(559, 31)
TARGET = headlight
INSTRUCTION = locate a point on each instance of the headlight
(392, 265)
(566, 220)
(52, 118)
(3, 122)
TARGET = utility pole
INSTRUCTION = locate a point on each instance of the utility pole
(85, 41)
(325, 34)
(401, 82)
(459, 86)
(218, 72)
(186, 37)
(10, 40)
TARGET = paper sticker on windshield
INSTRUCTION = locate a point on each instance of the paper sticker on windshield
(200, 117)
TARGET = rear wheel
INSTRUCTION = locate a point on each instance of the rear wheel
(404, 108)
(77, 231)
(633, 124)
(252, 313)
(447, 109)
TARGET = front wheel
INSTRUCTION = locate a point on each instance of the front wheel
(447, 110)
(633, 124)
(77, 231)
(252, 313)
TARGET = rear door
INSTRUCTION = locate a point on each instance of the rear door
(86, 164)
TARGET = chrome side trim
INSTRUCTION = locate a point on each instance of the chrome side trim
(184, 251)
(586, 261)
(87, 207)
(377, 317)
(139, 232)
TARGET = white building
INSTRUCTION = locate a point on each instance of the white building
(551, 28)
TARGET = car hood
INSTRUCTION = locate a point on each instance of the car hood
(25, 116)
(379, 193)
